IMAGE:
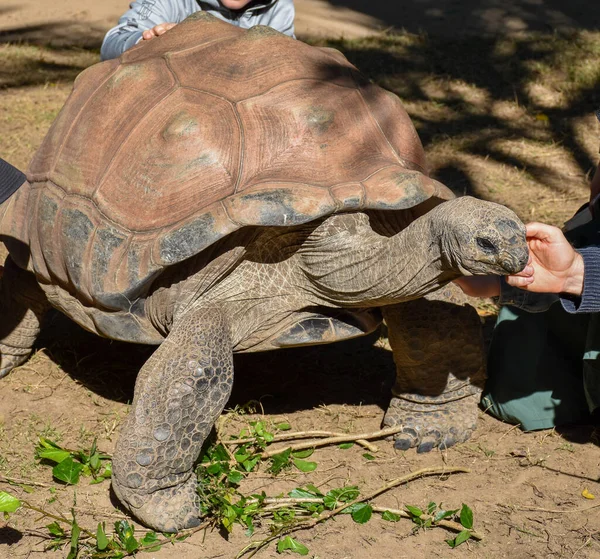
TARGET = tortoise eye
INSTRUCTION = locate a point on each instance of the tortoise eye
(486, 245)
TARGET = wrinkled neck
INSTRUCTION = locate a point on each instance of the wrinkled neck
(356, 267)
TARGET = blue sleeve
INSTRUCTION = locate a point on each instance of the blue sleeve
(526, 300)
(589, 301)
(142, 15)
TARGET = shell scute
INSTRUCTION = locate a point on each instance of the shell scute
(250, 64)
(109, 119)
(89, 80)
(313, 131)
(185, 160)
(280, 204)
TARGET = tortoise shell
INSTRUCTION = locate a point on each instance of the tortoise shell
(202, 131)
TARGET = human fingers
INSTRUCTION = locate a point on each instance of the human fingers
(148, 34)
(162, 28)
(518, 281)
(544, 232)
(526, 272)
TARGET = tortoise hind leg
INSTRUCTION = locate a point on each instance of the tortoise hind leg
(22, 307)
(440, 371)
(179, 393)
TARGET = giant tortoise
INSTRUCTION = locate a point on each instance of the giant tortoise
(218, 190)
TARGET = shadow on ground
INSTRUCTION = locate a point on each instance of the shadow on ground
(499, 71)
(486, 17)
(61, 34)
(354, 372)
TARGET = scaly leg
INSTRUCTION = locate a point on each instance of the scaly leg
(440, 371)
(179, 393)
(22, 307)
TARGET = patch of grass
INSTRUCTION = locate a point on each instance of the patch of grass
(29, 65)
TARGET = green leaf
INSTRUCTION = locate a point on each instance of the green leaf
(241, 455)
(215, 469)
(283, 426)
(466, 517)
(52, 454)
(235, 477)
(290, 544)
(75, 532)
(250, 464)
(56, 530)
(148, 540)
(351, 508)
(314, 489)
(249, 527)
(216, 453)
(126, 534)
(414, 511)
(300, 493)
(123, 529)
(68, 471)
(345, 446)
(431, 507)
(8, 503)
(368, 456)
(49, 450)
(95, 461)
(303, 453)
(441, 514)
(280, 461)
(341, 495)
(461, 538)
(101, 539)
(304, 466)
(107, 473)
(362, 513)
(390, 516)
(131, 544)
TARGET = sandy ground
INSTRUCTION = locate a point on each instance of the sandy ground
(525, 488)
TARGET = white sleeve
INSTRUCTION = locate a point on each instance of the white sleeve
(142, 15)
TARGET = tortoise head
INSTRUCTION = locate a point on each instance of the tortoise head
(481, 238)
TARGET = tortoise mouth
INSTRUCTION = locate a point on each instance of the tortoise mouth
(513, 262)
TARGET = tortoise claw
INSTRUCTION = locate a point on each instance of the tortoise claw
(429, 426)
(429, 442)
(406, 439)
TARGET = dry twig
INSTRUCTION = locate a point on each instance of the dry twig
(304, 435)
(337, 439)
(306, 525)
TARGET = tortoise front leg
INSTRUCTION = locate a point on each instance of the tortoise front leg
(440, 371)
(179, 393)
(22, 306)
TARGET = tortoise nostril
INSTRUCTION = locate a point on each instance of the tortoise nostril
(486, 245)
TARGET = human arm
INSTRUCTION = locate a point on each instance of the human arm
(142, 16)
(282, 17)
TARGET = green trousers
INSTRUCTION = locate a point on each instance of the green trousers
(544, 368)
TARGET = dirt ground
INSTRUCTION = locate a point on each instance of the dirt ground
(496, 123)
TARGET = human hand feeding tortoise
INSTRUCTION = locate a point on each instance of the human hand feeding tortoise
(219, 190)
